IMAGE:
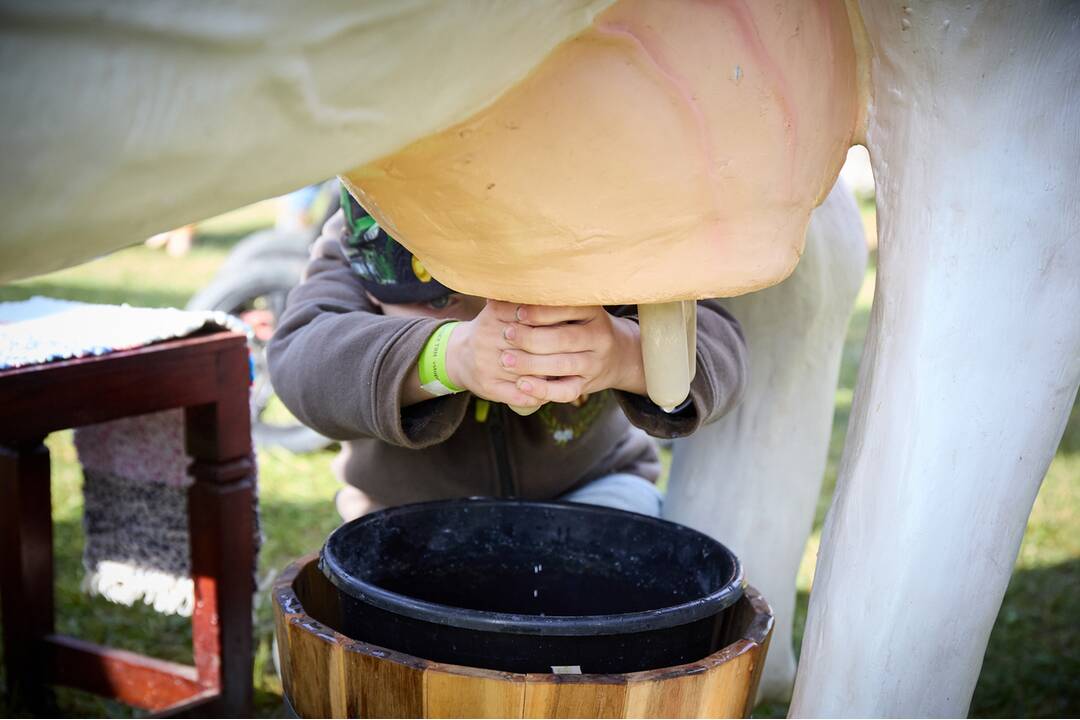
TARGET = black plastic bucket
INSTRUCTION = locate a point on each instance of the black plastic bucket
(525, 586)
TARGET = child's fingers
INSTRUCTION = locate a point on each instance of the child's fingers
(504, 311)
(549, 340)
(557, 365)
(505, 391)
(551, 315)
(559, 390)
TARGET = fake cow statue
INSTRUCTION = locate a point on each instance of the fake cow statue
(654, 153)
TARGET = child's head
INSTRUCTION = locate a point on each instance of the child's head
(394, 278)
(452, 305)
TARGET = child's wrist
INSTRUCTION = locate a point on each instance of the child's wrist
(431, 365)
(455, 353)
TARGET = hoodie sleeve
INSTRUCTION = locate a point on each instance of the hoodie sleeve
(339, 365)
(717, 386)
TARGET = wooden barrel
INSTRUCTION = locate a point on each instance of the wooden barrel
(326, 674)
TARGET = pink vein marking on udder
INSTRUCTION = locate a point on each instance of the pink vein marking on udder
(740, 12)
(823, 7)
(678, 84)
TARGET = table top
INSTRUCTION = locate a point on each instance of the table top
(203, 342)
(43, 329)
(38, 399)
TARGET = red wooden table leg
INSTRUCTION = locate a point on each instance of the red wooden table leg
(221, 509)
(26, 570)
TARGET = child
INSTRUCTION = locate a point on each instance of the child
(346, 360)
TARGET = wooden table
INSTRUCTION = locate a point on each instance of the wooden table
(208, 376)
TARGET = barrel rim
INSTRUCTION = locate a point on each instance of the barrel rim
(523, 624)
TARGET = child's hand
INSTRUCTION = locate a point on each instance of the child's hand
(561, 353)
(473, 358)
(526, 355)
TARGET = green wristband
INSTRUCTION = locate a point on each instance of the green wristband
(432, 363)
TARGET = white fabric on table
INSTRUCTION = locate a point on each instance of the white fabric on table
(42, 329)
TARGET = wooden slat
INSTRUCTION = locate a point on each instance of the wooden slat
(381, 687)
(757, 617)
(26, 569)
(283, 584)
(316, 674)
(218, 430)
(339, 687)
(321, 599)
(144, 682)
(574, 696)
(727, 690)
(221, 521)
(285, 654)
(222, 537)
(474, 693)
(758, 654)
(678, 694)
(287, 610)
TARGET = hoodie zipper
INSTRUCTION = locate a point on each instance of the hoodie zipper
(503, 471)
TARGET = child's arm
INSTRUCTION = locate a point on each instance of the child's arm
(718, 385)
(341, 367)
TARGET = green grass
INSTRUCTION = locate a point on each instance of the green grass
(1032, 664)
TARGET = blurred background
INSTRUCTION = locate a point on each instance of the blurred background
(1032, 665)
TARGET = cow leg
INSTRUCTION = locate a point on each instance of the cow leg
(972, 358)
(752, 478)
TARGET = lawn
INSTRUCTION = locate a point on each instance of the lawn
(1032, 665)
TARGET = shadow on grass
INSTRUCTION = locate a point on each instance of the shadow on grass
(1032, 662)
(1032, 665)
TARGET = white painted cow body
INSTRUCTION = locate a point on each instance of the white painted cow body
(120, 120)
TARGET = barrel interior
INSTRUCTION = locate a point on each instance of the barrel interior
(534, 560)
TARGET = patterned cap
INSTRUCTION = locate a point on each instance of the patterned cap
(385, 268)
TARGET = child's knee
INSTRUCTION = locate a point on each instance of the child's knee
(352, 503)
(621, 491)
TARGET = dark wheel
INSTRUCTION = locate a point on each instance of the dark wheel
(255, 292)
(267, 244)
